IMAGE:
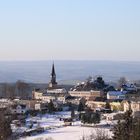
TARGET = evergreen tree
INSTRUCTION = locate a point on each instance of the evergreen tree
(90, 118)
(95, 118)
(107, 106)
(80, 107)
(118, 131)
(123, 130)
(72, 113)
(5, 128)
(51, 107)
(136, 129)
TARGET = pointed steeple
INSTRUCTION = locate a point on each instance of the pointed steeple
(53, 70)
(53, 82)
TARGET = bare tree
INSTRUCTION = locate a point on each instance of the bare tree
(98, 134)
(121, 82)
(22, 89)
(8, 90)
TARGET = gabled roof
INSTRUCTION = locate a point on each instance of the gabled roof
(116, 93)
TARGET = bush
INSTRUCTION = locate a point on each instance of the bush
(91, 118)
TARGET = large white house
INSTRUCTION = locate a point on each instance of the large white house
(56, 94)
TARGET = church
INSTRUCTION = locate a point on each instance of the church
(53, 92)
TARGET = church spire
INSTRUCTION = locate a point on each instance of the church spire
(53, 82)
(53, 71)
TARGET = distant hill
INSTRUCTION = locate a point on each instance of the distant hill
(68, 72)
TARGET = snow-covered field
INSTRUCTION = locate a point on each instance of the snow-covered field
(54, 128)
(66, 133)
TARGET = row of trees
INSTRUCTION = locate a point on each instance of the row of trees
(20, 89)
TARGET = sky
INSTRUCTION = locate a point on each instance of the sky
(70, 30)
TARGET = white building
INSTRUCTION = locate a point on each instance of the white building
(129, 87)
(57, 91)
(116, 95)
(53, 94)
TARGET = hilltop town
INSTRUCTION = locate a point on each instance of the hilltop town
(55, 106)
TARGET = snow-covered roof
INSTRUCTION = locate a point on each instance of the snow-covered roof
(116, 93)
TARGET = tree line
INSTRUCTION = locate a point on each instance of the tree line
(19, 89)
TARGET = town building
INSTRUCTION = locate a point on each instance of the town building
(31, 104)
(133, 105)
(99, 105)
(129, 87)
(86, 94)
(116, 95)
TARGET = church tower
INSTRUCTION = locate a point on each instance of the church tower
(53, 83)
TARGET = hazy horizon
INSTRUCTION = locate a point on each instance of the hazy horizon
(67, 72)
(53, 61)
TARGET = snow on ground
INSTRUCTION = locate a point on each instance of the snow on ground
(54, 128)
(48, 120)
(66, 133)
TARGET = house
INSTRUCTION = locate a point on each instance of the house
(99, 105)
(18, 109)
(135, 107)
(126, 105)
(42, 96)
(130, 87)
(34, 104)
(132, 105)
(116, 95)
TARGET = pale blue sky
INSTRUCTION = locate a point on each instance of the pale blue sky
(70, 29)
